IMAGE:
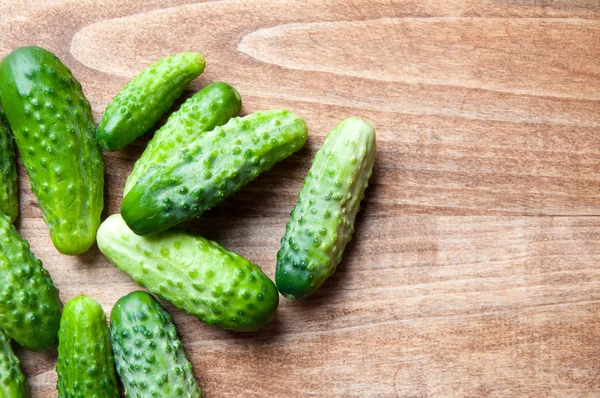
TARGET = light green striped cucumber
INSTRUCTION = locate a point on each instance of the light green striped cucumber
(9, 201)
(149, 355)
(213, 106)
(198, 276)
(85, 364)
(322, 222)
(143, 101)
(12, 380)
(29, 303)
(213, 167)
(53, 127)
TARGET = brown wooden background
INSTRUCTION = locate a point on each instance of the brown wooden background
(475, 269)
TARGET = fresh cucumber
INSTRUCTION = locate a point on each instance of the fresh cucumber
(143, 101)
(12, 380)
(213, 106)
(322, 222)
(85, 365)
(198, 276)
(29, 303)
(9, 201)
(54, 130)
(148, 353)
(213, 167)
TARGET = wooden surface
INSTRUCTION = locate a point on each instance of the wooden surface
(475, 270)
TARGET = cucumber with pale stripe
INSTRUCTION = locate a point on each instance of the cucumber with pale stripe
(322, 222)
(197, 275)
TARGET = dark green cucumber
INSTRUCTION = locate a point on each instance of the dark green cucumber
(9, 201)
(213, 167)
(29, 303)
(198, 276)
(211, 107)
(143, 101)
(12, 380)
(85, 364)
(149, 355)
(54, 130)
(322, 222)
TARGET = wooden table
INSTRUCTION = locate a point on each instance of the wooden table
(475, 270)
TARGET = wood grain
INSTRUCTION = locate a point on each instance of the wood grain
(475, 267)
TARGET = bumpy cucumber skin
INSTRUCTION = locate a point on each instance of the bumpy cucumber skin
(29, 303)
(213, 167)
(150, 357)
(322, 222)
(143, 101)
(12, 380)
(54, 131)
(9, 200)
(213, 106)
(85, 364)
(198, 276)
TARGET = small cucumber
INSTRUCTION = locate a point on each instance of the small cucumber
(198, 276)
(9, 201)
(12, 380)
(29, 303)
(213, 167)
(149, 355)
(211, 107)
(54, 131)
(322, 222)
(85, 364)
(143, 101)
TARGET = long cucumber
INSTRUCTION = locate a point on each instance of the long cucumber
(198, 276)
(322, 222)
(213, 167)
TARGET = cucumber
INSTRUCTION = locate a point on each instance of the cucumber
(210, 169)
(143, 101)
(29, 303)
(54, 131)
(322, 222)
(85, 364)
(9, 201)
(149, 355)
(198, 276)
(211, 107)
(12, 380)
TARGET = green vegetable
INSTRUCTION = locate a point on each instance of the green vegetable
(54, 130)
(9, 200)
(322, 222)
(214, 166)
(12, 380)
(198, 276)
(85, 365)
(147, 97)
(205, 110)
(29, 303)
(149, 355)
